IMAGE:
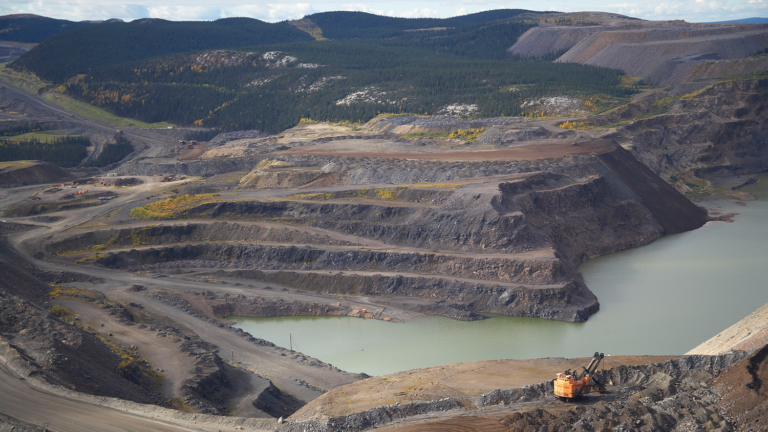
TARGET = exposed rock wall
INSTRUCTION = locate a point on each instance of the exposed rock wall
(720, 126)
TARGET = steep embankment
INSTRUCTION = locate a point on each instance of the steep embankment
(702, 68)
(719, 127)
(664, 53)
(45, 346)
(748, 334)
(540, 41)
(641, 59)
(21, 172)
(675, 213)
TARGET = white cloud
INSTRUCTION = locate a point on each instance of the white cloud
(181, 13)
(270, 11)
(359, 7)
(419, 13)
(461, 11)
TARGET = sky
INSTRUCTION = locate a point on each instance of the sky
(280, 10)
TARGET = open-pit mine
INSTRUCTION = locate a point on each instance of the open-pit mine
(119, 286)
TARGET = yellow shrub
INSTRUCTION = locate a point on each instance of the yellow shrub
(385, 193)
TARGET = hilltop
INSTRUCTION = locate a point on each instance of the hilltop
(30, 28)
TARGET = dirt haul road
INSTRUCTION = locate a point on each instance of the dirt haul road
(38, 407)
(154, 147)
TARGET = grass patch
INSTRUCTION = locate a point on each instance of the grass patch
(58, 291)
(311, 196)
(27, 82)
(173, 207)
(13, 165)
(573, 125)
(469, 135)
(385, 193)
(62, 312)
(33, 85)
(95, 113)
(89, 258)
(38, 136)
(439, 185)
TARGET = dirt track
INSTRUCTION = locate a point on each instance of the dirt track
(37, 407)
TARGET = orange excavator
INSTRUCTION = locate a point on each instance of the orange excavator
(573, 385)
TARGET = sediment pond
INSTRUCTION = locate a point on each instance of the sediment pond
(663, 298)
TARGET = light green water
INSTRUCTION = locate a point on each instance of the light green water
(662, 298)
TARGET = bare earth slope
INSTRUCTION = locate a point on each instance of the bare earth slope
(664, 53)
(20, 172)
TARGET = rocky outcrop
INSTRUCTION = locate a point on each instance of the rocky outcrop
(276, 403)
(544, 271)
(720, 126)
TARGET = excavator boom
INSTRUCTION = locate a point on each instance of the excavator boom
(572, 386)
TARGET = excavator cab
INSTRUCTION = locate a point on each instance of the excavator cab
(574, 385)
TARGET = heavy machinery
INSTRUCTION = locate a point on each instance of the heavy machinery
(574, 385)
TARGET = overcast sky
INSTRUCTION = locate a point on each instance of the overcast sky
(278, 10)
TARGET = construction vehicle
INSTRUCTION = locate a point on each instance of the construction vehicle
(573, 385)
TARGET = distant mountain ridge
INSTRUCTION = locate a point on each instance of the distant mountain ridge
(92, 47)
(753, 20)
(32, 28)
(362, 25)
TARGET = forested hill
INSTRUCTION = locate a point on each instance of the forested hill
(94, 47)
(361, 25)
(242, 73)
(33, 28)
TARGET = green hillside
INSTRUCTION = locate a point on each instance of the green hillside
(90, 48)
(241, 73)
(240, 90)
(361, 25)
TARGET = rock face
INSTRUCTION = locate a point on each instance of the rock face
(276, 403)
(509, 247)
(720, 127)
(666, 204)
